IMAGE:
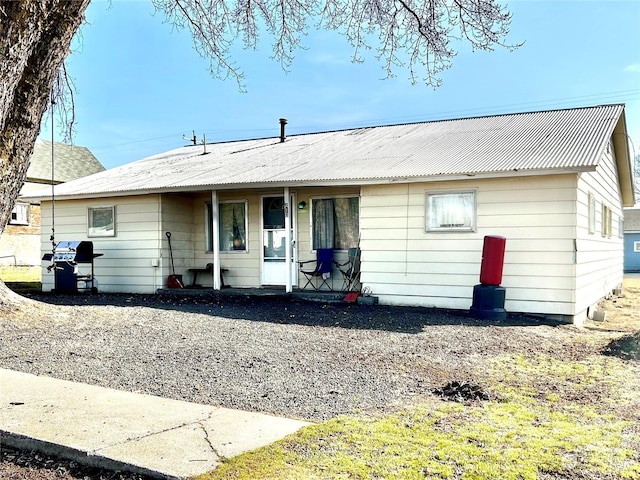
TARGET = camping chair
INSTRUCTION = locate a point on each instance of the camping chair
(350, 270)
(322, 270)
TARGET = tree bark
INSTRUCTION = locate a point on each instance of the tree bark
(35, 36)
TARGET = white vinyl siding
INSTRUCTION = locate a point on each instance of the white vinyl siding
(127, 261)
(243, 267)
(599, 258)
(403, 264)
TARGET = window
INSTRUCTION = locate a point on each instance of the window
(592, 213)
(335, 222)
(606, 221)
(232, 218)
(101, 222)
(451, 212)
(636, 247)
(20, 214)
(620, 226)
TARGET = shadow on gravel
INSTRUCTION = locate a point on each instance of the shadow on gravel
(627, 347)
(286, 310)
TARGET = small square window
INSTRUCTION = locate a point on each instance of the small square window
(451, 212)
(20, 214)
(636, 247)
(101, 222)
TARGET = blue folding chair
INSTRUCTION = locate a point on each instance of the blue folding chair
(322, 269)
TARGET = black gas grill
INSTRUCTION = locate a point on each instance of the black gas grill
(67, 257)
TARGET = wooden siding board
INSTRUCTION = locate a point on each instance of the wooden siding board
(599, 259)
(535, 214)
(126, 262)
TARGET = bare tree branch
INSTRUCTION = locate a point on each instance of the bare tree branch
(416, 34)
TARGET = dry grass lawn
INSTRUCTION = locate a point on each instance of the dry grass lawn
(547, 417)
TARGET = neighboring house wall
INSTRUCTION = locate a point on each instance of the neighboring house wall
(632, 240)
(127, 264)
(20, 244)
(404, 264)
(599, 253)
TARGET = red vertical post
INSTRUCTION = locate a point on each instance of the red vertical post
(492, 260)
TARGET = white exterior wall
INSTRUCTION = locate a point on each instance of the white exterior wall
(128, 258)
(405, 265)
(600, 259)
(243, 267)
(178, 219)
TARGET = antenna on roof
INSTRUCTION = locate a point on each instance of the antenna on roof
(194, 140)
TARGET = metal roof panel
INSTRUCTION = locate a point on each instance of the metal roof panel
(536, 141)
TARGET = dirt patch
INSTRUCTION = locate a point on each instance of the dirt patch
(623, 315)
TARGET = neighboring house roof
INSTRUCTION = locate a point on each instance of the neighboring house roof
(70, 162)
(632, 219)
(501, 145)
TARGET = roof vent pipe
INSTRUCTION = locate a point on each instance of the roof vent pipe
(283, 122)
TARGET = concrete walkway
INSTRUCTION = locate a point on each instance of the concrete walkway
(118, 430)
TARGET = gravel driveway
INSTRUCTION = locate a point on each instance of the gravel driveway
(292, 358)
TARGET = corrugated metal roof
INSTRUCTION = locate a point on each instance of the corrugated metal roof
(559, 140)
(70, 162)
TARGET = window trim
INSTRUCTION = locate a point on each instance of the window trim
(331, 197)
(607, 219)
(591, 215)
(23, 219)
(91, 232)
(209, 227)
(474, 220)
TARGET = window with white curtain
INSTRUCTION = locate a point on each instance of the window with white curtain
(451, 211)
(335, 222)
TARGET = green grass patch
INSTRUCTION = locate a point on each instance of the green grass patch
(562, 426)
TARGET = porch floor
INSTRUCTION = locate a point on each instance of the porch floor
(323, 296)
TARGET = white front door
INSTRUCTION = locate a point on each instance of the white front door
(274, 241)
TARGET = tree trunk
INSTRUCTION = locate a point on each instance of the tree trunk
(35, 36)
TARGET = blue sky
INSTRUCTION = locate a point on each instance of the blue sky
(141, 86)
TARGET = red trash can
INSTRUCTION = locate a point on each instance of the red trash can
(492, 260)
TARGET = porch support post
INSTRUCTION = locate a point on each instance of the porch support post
(287, 227)
(216, 239)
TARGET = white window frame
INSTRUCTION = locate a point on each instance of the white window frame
(592, 213)
(21, 213)
(607, 218)
(209, 246)
(429, 228)
(99, 231)
(636, 247)
(331, 197)
(620, 226)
